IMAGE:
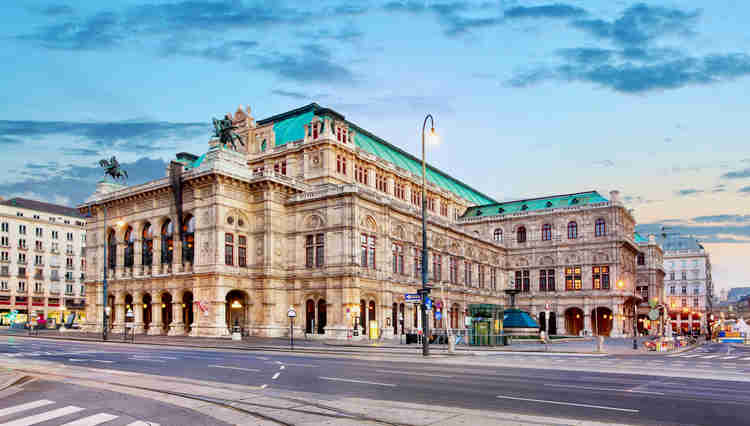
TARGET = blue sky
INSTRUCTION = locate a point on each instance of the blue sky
(531, 98)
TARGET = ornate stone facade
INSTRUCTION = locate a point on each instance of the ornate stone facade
(285, 225)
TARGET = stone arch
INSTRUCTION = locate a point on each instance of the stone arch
(237, 312)
(602, 320)
(574, 321)
(313, 221)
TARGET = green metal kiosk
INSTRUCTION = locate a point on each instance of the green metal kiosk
(485, 324)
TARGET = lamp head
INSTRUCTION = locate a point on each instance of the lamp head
(120, 223)
(620, 284)
(432, 138)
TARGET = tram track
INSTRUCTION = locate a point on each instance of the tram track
(232, 404)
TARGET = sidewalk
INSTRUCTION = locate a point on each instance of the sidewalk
(612, 346)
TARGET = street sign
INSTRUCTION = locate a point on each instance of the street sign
(438, 315)
(291, 313)
(412, 298)
(653, 314)
(428, 303)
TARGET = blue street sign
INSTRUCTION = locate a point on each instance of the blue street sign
(428, 303)
(438, 315)
(410, 297)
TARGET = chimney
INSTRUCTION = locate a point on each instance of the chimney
(614, 196)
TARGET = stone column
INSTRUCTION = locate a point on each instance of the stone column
(560, 321)
(120, 260)
(138, 311)
(118, 312)
(138, 257)
(587, 322)
(177, 252)
(155, 328)
(156, 257)
(616, 322)
(177, 327)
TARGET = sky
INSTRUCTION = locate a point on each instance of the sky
(531, 98)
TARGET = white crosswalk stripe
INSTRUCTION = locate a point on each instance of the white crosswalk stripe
(43, 417)
(46, 416)
(746, 359)
(92, 420)
(709, 356)
(730, 357)
(23, 407)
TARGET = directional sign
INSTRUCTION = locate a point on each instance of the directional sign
(428, 303)
(412, 298)
(438, 315)
(291, 313)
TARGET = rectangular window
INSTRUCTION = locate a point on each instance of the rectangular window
(400, 191)
(431, 204)
(38, 288)
(22, 229)
(4, 256)
(543, 280)
(467, 273)
(671, 276)
(280, 167)
(550, 280)
(69, 236)
(38, 246)
(493, 278)
(4, 285)
(229, 249)
(398, 259)
(315, 251)
(526, 281)
(22, 244)
(319, 250)
(573, 278)
(416, 197)
(4, 241)
(437, 267)
(696, 302)
(21, 286)
(22, 258)
(5, 226)
(684, 289)
(443, 209)
(55, 234)
(480, 275)
(310, 251)
(454, 270)
(381, 182)
(417, 263)
(38, 232)
(684, 275)
(242, 251)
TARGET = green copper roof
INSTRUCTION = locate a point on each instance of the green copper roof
(289, 127)
(535, 204)
(639, 238)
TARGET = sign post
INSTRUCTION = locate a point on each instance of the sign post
(129, 326)
(292, 314)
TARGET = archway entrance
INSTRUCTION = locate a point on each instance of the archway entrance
(601, 321)
(552, 323)
(309, 316)
(187, 310)
(321, 316)
(128, 307)
(166, 310)
(146, 311)
(237, 310)
(363, 316)
(542, 322)
(372, 323)
(401, 317)
(394, 318)
(573, 321)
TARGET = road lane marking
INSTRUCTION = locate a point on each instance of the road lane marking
(281, 367)
(43, 417)
(709, 356)
(690, 356)
(275, 376)
(234, 368)
(302, 365)
(337, 379)
(627, 410)
(77, 360)
(263, 386)
(573, 387)
(141, 423)
(92, 420)
(145, 359)
(102, 360)
(403, 373)
(745, 359)
(23, 407)
(730, 357)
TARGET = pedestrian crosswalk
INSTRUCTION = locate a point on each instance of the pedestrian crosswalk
(43, 410)
(713, 357)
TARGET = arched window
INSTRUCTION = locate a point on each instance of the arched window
(498, 235)
(112, 247)
(600, 228)
(129, 247)
(167, 242)
(147, 248)
(521, 234)
(572, 230)
(188, 233)
(546, 232)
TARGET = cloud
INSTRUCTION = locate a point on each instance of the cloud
(451, 15)
(57, 10)
(690, 191)
(315, 63)
(603, 163)
(98, 32)
(744, 190)
(585, 55)
(641, 24)
(225, 51)
(344, 35)
(79, 182)
(637, 200)
(740, 174)
(704, 233)
(632, 77)
(290, 94)
(722, 218)
(128, 136)
(557, 10)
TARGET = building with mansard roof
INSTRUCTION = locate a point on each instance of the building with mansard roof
(316, 213)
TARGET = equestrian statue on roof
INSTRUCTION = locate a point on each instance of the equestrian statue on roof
(224, 130)
(112, 168)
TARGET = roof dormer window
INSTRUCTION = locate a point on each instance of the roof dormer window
(549, 204)
(524, 207)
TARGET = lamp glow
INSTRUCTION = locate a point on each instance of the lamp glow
(236, 304)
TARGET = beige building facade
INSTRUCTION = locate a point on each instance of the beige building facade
(312, 213)
(41, 261)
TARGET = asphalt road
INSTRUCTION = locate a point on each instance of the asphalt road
(47, 403)
(546, 391)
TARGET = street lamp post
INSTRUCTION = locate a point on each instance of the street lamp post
(104, 281)
(425, 291)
